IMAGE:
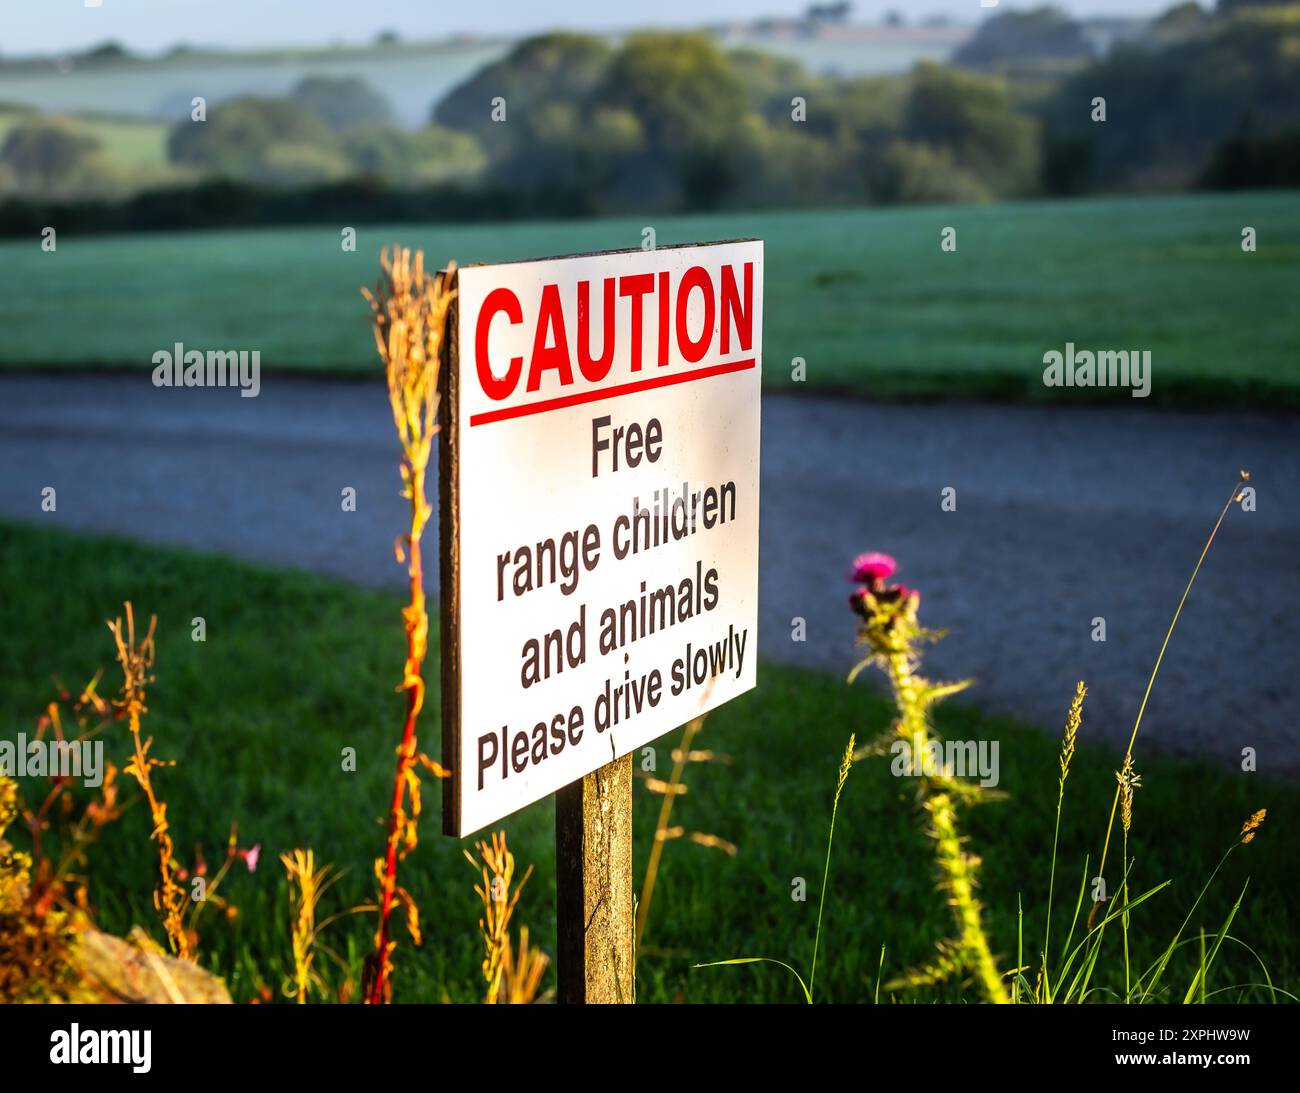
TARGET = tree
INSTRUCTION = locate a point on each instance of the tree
(911, 173)
(343, 101)
(259, 140)
(104, 53)
(398, 158)
(1180, 22)
(974, 118)
(46, 155)
(690, 103)
(547, 69)
(1231, 7)
(1042, 34)
(1169, 109)
(1245, 163)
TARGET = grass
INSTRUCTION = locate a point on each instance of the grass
(296, 667)
(865, 296)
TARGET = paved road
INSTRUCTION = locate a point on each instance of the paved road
(1062, 516)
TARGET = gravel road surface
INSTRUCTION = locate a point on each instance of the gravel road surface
(1062, 516)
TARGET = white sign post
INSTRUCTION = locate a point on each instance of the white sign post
(599, 496)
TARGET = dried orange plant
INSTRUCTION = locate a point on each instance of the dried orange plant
(136, 659)
(179, 911)
(74, 720)
(307, 884)
(50, 947)
(409, 315)
(512, 978)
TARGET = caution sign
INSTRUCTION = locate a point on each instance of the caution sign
(599, 497)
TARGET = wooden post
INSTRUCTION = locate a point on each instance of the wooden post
(593, 898)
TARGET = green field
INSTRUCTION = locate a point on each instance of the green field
(132, 142)
(296, 667)
(412, 76)
(866, 297)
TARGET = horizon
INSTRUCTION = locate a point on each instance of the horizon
(153, 26)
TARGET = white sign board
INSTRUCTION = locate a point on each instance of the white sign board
(599, 493)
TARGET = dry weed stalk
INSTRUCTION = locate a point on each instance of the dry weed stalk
(53, 881)
(521, 974)
(307, 884)
(1252, 825)
(409, 316)
(510, 978)
(670, 790)
(136, 660)
(43, 902)
(48, 942)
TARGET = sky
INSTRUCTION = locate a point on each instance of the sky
(52, 26)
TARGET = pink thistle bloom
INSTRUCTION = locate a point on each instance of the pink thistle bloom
(250, 856)
(872, 567)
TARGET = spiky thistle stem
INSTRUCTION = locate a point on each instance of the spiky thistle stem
(957, 868)
(893, 635)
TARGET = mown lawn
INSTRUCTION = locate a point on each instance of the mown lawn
(297, 667)
(865, 296)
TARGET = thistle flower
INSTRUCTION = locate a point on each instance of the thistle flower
(872, 567)
(888, 612)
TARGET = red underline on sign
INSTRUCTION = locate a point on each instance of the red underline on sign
(601, 393)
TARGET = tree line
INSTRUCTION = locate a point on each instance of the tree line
(569, 124)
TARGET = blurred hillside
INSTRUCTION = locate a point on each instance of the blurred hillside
(1032, 103)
